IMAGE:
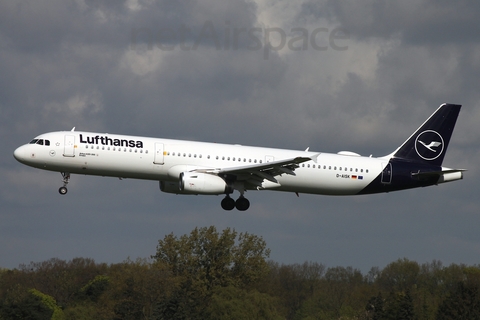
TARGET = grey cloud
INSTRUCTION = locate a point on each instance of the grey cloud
(66, 64)
(415, 22)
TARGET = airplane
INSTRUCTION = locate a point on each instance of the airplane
(201, 168)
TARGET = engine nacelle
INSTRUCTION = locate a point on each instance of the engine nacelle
(171, 187)
(202, 183)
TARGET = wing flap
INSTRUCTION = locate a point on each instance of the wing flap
(256, 173)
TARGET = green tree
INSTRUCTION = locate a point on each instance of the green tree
(50, 303)
(462, 303)
(215, 259)
(375, 308)
(205, 260)
(234, 303)
(136, 289)
(94, 288)
(29, 306)
(400, 275)
(399, 305)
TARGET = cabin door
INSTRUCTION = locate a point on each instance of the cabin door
(159, 153)
(387, 173)
(69, 146)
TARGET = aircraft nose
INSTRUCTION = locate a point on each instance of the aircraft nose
(19, 154)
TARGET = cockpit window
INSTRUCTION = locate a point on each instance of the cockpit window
(40, 142)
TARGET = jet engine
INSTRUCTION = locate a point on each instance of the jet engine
(171, 187)
(196, 183)
(203, 183)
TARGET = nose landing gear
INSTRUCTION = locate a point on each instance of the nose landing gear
(66, 178)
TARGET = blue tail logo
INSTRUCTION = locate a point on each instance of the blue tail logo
(429, 143)
(433, 148)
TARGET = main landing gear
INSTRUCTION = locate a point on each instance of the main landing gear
(66, 178)
(241, 204)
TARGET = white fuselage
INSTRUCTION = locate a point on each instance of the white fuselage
(163, 160)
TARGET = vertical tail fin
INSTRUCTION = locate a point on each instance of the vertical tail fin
(429, 143)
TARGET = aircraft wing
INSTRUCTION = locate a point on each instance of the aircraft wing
(256, 173)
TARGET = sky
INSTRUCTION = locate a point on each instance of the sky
(324, 74)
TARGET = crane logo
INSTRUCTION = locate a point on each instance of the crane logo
(429, 145)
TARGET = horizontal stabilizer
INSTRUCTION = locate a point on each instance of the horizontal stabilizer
(442, 176)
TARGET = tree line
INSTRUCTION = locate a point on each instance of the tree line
(209, 274)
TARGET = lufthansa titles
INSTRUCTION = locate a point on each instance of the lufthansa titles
(106, 141)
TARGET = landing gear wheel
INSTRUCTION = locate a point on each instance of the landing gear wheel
(242, 204)
(66, 179)
(63, 190)
(228, 203)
